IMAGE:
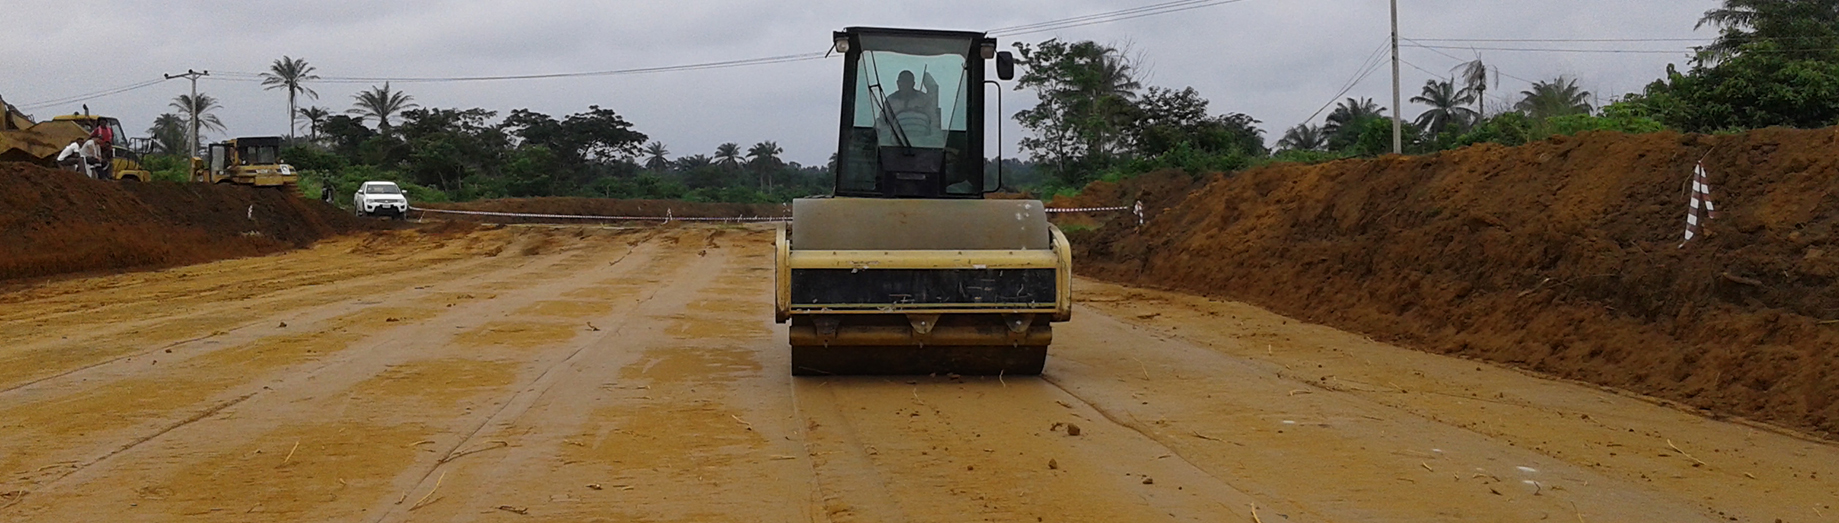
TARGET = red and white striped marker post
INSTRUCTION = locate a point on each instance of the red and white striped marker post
(1699, 209)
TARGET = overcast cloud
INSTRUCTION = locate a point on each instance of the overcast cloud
(1276, 60)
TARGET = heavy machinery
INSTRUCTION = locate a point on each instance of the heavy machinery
(906, 268)
(246, 161)
(23, 140)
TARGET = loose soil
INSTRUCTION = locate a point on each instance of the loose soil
(56, 222)
(570, 373)
(1562, 257)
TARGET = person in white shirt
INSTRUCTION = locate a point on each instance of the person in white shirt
(92, 159)
(72, 156)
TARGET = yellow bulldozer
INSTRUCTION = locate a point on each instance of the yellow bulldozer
(906, 268)
(23, 140)
(246, 161)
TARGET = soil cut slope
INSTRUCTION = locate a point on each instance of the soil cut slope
(56, 222)
(1562, 257)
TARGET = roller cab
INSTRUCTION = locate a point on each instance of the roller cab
(906, 268)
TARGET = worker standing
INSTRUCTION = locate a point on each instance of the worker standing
(105, 140)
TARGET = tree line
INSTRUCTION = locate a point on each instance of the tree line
(464, 154)
(1774, 63)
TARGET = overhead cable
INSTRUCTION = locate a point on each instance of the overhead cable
(1108, 17)
(90, 96)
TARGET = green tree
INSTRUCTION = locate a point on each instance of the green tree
(1748, 91)
(1085, 92)
(657, 157)
(315, 117)
(288, 73)
(694, 161)
(1796, 29)
(168, 133)
(1161, 119)
(447, 146)
(346, 134)
(1446, 107)
(200, 107)
(763, 158)
(728, 155)
(381, 103)
(1775, 62)
(1346, 123)
(1304, 137)
(1559, 97)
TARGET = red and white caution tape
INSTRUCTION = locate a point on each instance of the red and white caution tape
(667, 216)
(1137, 209)
(1699, 209)
(1085, 209)
(1134, 209)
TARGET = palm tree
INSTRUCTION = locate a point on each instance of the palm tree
(315, 117)
(1558, 97)
(380, 103)
(1474, 78)
(692, 162)
(764, 158)
(200, 109)
(1304, 137)
(659, 160)
(168, 132)
(728, 155)
(1446, 108)
(288, 73)
(1350, 112)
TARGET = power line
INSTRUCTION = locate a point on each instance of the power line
(1564, 39)
(1051, 25)
(1367, 69)
(1105, 18)
(1557, 50)
(91, 96)
(1459, 60)
(611, 72)
(1036, 25)
(1426, 71)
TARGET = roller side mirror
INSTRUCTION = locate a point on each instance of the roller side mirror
(1005, 65)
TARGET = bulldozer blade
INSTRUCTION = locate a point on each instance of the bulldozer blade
(817, 360)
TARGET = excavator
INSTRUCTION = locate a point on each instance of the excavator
(23, 140)
(906, 268)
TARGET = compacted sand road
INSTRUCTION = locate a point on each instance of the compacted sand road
(597, 374)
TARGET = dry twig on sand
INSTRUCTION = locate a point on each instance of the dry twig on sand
(1683, 453)
(290, 453)
(424, 498)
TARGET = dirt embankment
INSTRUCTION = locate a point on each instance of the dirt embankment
(571, 206)
(55, 222)
(1562, 257)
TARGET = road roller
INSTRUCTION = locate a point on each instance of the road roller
(906, 267)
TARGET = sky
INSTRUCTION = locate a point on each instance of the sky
(1280, 61)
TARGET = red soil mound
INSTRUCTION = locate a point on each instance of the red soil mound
(55, 222)
(602, 207)
(1562, 257)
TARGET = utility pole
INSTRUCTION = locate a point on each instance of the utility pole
(193, 140)
(1398, 139)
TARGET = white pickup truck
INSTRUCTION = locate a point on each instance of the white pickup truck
(374, 198)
